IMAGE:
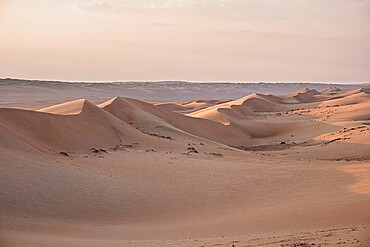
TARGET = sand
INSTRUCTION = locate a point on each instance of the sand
(262, 170)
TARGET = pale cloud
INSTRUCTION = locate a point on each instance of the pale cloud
(103, 6)
(248, 10)
(241, 4)
(111, 6)
(364, 3)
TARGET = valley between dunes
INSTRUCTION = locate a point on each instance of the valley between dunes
(262, 170)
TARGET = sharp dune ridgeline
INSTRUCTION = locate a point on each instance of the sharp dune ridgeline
(263, 169)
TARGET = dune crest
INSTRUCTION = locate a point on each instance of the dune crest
(68, 108)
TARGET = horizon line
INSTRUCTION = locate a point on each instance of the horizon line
(185, 81)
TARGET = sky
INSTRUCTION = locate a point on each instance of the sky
(191, 40)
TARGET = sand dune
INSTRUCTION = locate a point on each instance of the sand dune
(39, 94)
(306, 95)
(330, 90)
(262, 170)
(190, 105)
(68, 108)
(74, 126)
(151, 118)
(241, 108)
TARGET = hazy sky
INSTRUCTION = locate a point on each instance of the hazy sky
(194, 40)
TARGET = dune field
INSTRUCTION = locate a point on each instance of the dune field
(280, 169)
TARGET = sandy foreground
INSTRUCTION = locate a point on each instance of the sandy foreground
(261, 170)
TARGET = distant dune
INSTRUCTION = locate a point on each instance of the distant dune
(38, 94)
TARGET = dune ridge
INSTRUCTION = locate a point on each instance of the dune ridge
(68, 108)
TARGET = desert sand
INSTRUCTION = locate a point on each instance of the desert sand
(261, 169)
